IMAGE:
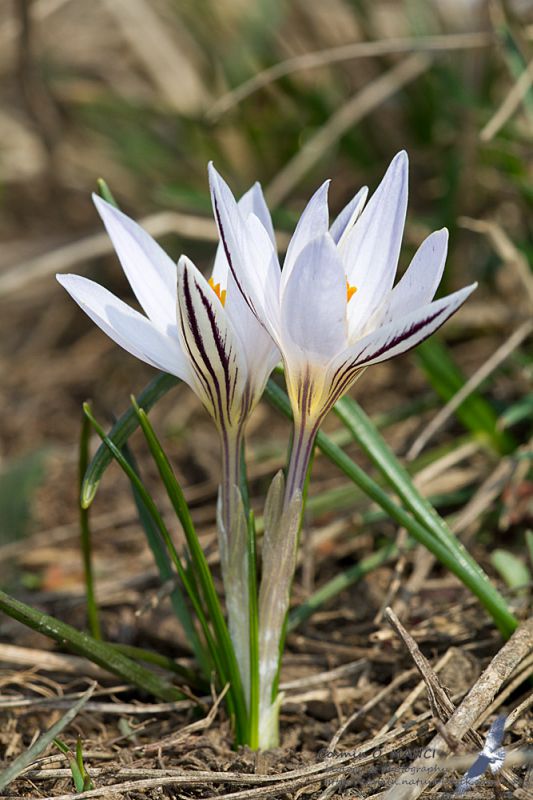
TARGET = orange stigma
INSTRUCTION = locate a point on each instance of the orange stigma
(221, 294)
(350, 291)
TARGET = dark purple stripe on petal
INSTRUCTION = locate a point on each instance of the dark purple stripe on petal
(193, 327)
(197, 334)
(414, 328)
(227, 252)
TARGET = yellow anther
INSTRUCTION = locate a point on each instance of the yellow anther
(350, 291)
(221, 294)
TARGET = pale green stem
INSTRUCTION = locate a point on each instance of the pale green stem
(230, 451)
(282, 524)
(232, 531)
(302, 447)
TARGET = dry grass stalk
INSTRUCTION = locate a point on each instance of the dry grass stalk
(353, 111)
(348, 52)
(173, 74)
(502, 666)
(485, 370)
(509, 105)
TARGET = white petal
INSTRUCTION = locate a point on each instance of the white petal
(313, 305)
(151, 273)
(405, 333)
(249, 251)
(212, 346)
(259, 350)
(313, 222)
(370, 250)
(348, 216)
(127, 327)
(421, 280)
(252, 202)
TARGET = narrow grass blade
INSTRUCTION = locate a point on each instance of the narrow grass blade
(341, 582)
(513, 570)
(101, 653)
(214, 647)
(374, 446)
(120, 433)
(529, 543)
(151, 657)
(93, 616)
(77, 776)
(105, 192)
(202, 571)
(87, 782)
(26, 758)
(166, 573)
(456, 560)
(475, 413)
(517, 412)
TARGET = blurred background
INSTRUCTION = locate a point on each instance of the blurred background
(143, 93)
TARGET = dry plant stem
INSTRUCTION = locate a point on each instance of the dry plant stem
(353, 111)
(492, 363)
(151, 40)
(509, 105)
(519, 646)
(64, 258)
(332, 55)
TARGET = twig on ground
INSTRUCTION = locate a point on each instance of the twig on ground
(50, 662)
(413, 695)
(486, 494)
(439, 699)
(369, 705)
(511, 655)
(193, 727)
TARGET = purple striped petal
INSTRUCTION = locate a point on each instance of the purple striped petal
(249, 251)
(405, 333)
(212, 347)
(252, 202)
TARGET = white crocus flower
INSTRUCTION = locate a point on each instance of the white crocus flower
(200, 331)
(204, 333)
(332, 312)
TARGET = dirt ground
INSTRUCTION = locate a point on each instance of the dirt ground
(360, 703)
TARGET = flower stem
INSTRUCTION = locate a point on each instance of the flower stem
(302, 448)
(283, 514)
(230, 451)
(233, 543)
